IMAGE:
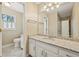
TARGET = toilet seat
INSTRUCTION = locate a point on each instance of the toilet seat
(17, 42)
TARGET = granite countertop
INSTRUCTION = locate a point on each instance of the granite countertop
(61, 42)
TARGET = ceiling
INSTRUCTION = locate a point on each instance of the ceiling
(64, 10)
(19, 7)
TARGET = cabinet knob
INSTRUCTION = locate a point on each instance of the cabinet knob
(68, 55)
(34, 48)
(42, 52)
(45, 53)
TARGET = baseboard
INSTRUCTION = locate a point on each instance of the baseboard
(7, 45)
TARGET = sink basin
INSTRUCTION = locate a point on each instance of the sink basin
(45, 37)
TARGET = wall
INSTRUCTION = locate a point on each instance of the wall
(9, 35)
(75, 20)
(52, 23)
(30, 23)
(32, 18)
(41, 22)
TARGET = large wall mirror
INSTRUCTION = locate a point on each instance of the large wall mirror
(64, 26)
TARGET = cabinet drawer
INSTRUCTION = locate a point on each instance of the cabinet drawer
(51, 54)
(67, 53)
(47, 46)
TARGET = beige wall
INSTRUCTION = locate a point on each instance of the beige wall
(30, 23)
(32, 17)
(35, 19)
(41, 22)
(9, 35)
(52, 23)
(75, 20)
(35, 24)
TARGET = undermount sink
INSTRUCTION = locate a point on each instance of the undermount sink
(50, 38)
(45, 37)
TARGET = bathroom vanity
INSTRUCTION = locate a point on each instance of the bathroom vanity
(45, 46)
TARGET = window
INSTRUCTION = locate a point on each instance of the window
(8, 21)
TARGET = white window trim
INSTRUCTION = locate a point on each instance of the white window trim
(14, 22)
(45, 25)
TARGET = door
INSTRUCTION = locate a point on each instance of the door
(39, 51)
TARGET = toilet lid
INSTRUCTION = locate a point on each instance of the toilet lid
(17, 40)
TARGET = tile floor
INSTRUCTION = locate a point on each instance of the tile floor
(11, 51)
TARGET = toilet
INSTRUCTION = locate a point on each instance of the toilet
(18, 42)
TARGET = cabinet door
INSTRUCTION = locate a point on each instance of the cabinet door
(32, 47)
(39, 51)
(43, 52)
(48, 47)
(67, 53)
(50, 54)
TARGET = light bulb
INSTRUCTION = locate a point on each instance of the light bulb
(52, 8)
(50, 4)
(55, 2)
(45, 7)
(57, 6)
(47, 10)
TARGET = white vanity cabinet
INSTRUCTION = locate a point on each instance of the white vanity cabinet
(32, 47)
(39, 51)
(38, 48)
(51, 54)
(67, 53)
(46, 50)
